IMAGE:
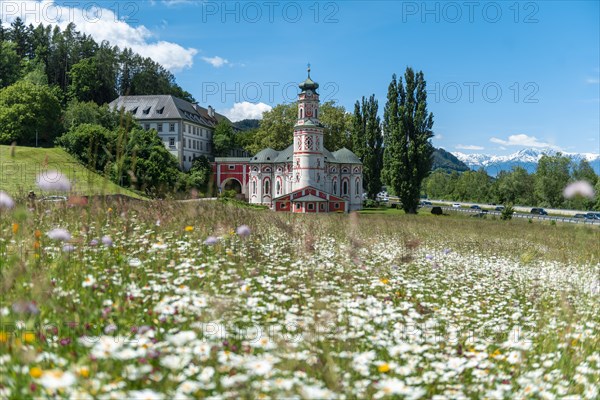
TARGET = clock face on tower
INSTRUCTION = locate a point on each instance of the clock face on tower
(309, 112)
(309, 93)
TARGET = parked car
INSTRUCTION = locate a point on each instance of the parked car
(425, 203)
(54, 198)
(456, 205)
(475, 207)
(579, 216)
(499, 208)
(538, 211)
(592, 215)
(383, 196)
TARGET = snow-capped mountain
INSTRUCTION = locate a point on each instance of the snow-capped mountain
(526, 158)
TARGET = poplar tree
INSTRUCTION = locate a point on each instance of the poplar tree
(367, 143)
(407, 130)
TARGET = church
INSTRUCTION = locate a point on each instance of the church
(303, 178)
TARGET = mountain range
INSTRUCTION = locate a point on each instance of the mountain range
(526, 158)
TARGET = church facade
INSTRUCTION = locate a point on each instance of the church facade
(303, 178)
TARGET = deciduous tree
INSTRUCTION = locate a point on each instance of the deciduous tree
(367, 141)
(27, 110)
(407, 133)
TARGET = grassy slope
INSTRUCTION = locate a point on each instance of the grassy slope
(18, 174)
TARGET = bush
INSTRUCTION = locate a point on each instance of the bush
(507, 212)
(437, 210)
(370, 203)
(229, 194)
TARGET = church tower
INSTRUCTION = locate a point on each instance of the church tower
(309, 164)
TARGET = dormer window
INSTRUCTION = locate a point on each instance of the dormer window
(160, 110)
(147, 110)
(134, 111)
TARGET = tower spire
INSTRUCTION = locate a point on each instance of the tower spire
(308, 69)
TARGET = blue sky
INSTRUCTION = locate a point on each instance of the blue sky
(501, 75)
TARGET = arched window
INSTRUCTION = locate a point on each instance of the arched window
(334, 187)
(278, 188)
(267, 186)
(345, 187)
(254, 186)
(317, 113)
(301, 112)
(357, 186)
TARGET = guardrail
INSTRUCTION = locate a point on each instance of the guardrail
(583, 221)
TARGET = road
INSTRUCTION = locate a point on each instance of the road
(520, 212)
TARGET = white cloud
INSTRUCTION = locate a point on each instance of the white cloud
(592, 81)
(101, 24)
(523, 141)
(438, 136)
(215, 61)
(468, 147)
(246, 110)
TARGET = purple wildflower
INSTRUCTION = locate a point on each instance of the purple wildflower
(53, 181)
(581, 188)
(59, 234)
(6, 201)
(68, 248)
(243, 230)
(211, 241)
(107, 241)
(25, 307)
(110, 329)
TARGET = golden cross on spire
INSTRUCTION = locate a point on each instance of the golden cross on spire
(308, 69)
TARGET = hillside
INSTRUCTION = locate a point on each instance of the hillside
(247, 124)
(18, 174)
(447, 161)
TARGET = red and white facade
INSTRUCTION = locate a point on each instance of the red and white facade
(303, 178)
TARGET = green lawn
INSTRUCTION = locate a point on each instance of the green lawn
(18, 172)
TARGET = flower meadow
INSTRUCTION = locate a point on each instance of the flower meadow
(166, 300)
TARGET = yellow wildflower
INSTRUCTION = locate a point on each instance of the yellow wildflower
(189, 228)
(29, 337)
(15, 228)
(385, 367)
(3, 337)
(84, 372)
(385, 281)
(35, 372)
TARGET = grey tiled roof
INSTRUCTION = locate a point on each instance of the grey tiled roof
(285, 155)
(152, 107)
(267, 155)
(345, 156)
